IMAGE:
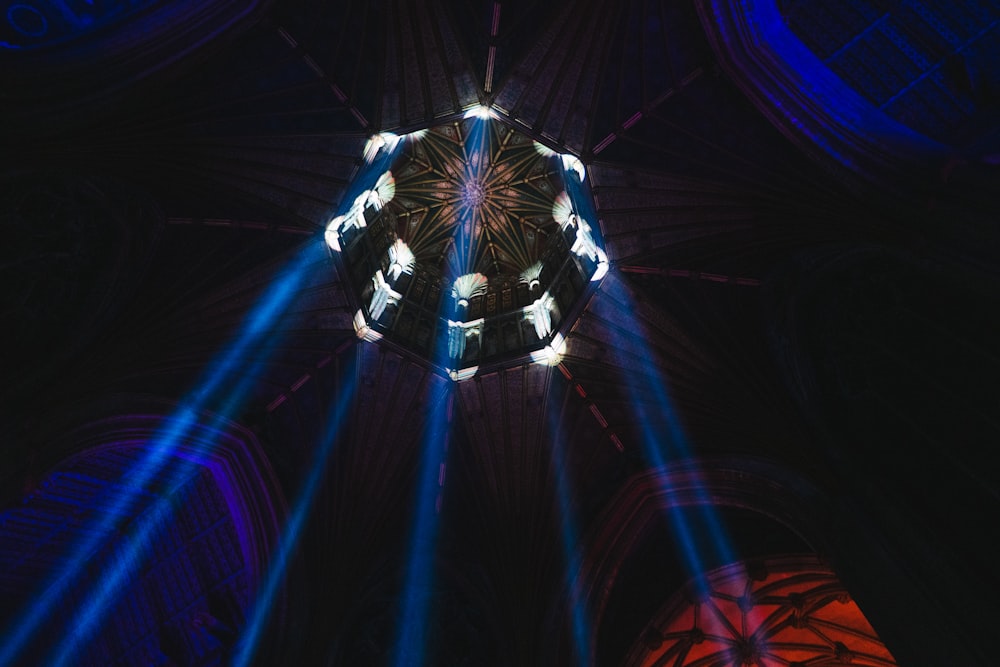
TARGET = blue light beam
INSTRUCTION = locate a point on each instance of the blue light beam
(264, 601)
(210, 392)
(412, 626)
(135, 544)
(477, 160)
(128, 559)
(654, 446)
(411, 636)
(570, 540)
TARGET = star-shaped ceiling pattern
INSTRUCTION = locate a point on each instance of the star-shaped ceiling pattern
(787, 612)
(475, 197)
(469, 242)
(250, 148)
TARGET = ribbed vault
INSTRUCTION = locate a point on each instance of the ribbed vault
(156, 195)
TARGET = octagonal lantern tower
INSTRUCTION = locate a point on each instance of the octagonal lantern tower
(468, 244)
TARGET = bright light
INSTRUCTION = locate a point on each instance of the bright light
(543, 150)
(377, 197)
(602, 266)
(463, 373)
(380, 297)
(401, 260)
(355, 217)
(482, 112)
(363, 331)
(551, 354)
(540, 314)
(332, 235)
(585, 245)
(573, 163)
(468, 286)
(456, 341)
(459, 333)
(376, 144)
(471, 187)
(383, 296)
(562, 209)
(532, 275)
(383, 192)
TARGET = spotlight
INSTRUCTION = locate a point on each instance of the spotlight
(333, 233)
(551, 354)
(602, 266)
(385, 141)
(482, 112)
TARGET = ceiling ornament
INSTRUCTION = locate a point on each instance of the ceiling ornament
(468, 244)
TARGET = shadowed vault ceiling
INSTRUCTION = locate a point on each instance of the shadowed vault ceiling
(785, 385)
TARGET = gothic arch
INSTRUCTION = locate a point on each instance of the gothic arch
(167, 525)
(810, 104)
(787, 501)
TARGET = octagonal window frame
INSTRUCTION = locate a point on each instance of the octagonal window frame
(457, 324)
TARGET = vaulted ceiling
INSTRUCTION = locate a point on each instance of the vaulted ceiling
(766, 309)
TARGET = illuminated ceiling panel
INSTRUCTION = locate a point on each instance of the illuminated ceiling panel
(791, 612)
(469, 243)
